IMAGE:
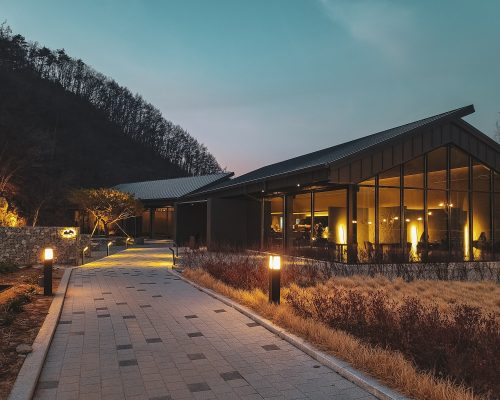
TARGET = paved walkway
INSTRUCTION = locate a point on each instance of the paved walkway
(130, 329)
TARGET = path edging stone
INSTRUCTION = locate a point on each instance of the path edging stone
(27, 379)
(343, 368)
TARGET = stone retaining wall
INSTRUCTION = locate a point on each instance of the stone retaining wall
(24, 245)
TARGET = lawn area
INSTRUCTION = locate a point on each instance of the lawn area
(427, 339)
(22, 311)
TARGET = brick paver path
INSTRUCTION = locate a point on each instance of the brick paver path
(130, 329)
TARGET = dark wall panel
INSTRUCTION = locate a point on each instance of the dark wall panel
(387, 157)
(233, 222)
(356, 171)
(191, 220)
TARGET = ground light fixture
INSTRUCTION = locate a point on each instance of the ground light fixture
(126, 242)
(48, 259)
(107, 248)
(274, 279)
(83, 254)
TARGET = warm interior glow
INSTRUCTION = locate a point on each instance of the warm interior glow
(414, 238)
(466, 241)
(274, 262)
(48, 254)
(341, 230)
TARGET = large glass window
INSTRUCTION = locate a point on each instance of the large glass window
(496, 225)
(390, 177)
(459, 225)
(299, 221)
(459, 170)
(496, 181)
(389, 224)
(330, 224)
(273, 223)
(436, 168)
(481, 225)
(365, 224)
(437, 217)
(480, 177)
(414, 224)
(414, 173)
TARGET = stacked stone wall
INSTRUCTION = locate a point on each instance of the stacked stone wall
(25, 245)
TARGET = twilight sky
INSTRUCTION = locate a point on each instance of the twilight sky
(259, 81)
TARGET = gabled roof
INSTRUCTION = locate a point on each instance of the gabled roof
(176, 188)
(330, 155)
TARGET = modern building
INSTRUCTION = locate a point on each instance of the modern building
(163, 201)
(425, 191)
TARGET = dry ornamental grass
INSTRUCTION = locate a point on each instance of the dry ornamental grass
(427, 339)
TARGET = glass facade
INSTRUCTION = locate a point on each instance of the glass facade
(443, 206)
(365, 223)
(329, 232)
(274, 223)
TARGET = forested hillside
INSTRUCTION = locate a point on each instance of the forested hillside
(64, 125)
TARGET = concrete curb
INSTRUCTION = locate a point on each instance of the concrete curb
(27, 379)
(343, 368)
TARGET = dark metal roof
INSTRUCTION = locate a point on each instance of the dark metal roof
(171, 188)
(336, 153)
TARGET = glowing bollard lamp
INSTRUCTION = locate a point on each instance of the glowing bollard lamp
(274, 279)
(107, 248)
(126, 242)
(48, 258)
(83, 254)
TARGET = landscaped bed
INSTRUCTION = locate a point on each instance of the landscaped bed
(427, 339)
(22, 311)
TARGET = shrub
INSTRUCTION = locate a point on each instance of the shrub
(14, 306)
(7, 267)
(463, 344)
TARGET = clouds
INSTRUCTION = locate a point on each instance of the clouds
(388, 27)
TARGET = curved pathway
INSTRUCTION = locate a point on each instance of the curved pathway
(129, 329)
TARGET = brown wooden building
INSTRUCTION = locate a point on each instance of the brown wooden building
(425, 191)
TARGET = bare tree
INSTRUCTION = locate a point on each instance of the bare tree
(108, 206)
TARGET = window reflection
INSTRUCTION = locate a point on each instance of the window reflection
(459, 226)
(390, 177)
(436, 168)
(481, 225)
(389, 224)
(329, 233)
(437, 217)
(496, 225)
(299, 221)
(365, 224)
(414, 224)
(414, 173)
(480, 177)
(459, 170)
(273, 221)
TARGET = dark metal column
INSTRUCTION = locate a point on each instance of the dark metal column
(352, 248)
(471, 218)
(151, 221)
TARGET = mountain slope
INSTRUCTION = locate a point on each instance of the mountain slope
(56, 141)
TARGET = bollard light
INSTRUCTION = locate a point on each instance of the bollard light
(107, 248)
(48, 259)
(126, 242)
(274, 279)
(83, 254)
